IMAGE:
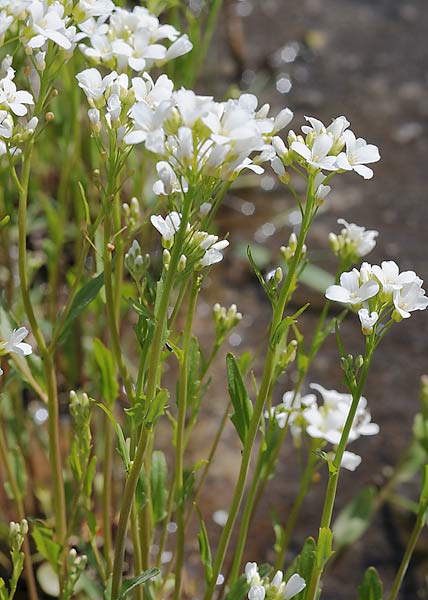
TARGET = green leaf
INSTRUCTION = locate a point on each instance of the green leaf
(158, 476)
(355, 518)
(123, 448)
(82, 299)
(240, 399)
(48, 548)
(269, 293)
(156, 408)
(239, 589)
(371, 587)
(324, 547)
(109, 383)
(205, 549)
(303, 564)
(130, 584)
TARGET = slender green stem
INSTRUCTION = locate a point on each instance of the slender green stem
(411, 545)
(28, 566)
(49, 368)
(138, 565)
(180, 443)
(305, 483)
(334, 470)
(161, 315)
(263, 393)
(107, 492)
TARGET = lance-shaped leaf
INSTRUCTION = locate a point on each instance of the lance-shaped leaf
(130, 584)
(371, 587)
(158, 483)
(240, 399)
(109, 383)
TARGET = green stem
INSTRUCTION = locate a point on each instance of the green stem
(417, 529)
(153, 369)
(48, 365)
(180, 435)
(305, 483)
(138, 565)
(334, 470)
(262, 395)
(29, 574)
(107, 493)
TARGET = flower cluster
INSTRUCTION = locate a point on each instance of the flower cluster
(201, 249)
(353, 241)
(121, 39)
(381, 293)
(275, 589)
(15, 126)
(333, 148)
(325, 422)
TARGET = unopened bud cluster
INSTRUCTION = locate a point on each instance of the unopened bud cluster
(131, 212)
(288, 252)
(225, 320)
(135, 262)
(17, 532)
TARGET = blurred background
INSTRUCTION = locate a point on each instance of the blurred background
(368, 60)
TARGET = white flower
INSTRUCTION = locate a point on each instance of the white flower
(290, 410)
(168, 181)
(317, 156)
(327, 421)
(46, 22)
(358, 154)
(321, 190)
(256, 592)
(389, 276)
(335, 130)
(94, 85)
(167, 227)
(368, 320)
(357, 238)
(94, 8)
(294, 586)
(213, 249)
(409, 298)
(15, 343)
(181, 46)
(350, 461)
(350, 290)
(251, 571)
(12, 99)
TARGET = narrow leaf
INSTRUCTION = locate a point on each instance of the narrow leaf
(240, 399)
(130, 584)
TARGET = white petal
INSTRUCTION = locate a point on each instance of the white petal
(294, 586)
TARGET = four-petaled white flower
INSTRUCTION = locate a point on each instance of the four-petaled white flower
(356, 238)
(13, 99)
(318, 155)
(409, 298)
(390, 278)
(46, 22)
(358, 154)
(15, 343)
(350, 290)
(167, 227)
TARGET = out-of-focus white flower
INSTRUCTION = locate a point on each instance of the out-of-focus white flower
(353, 241)
(15, 343)
(327, 421)
(256, 592)
(132, 39)
(86, 9)
(358, 154)
(368, 320)
(290, 409)
(350, 461)
(168, 182)
(350, 290)
(46, 21)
